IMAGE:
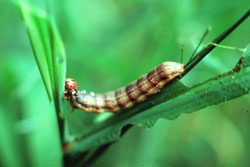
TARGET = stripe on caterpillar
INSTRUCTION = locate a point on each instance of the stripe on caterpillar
(125, 97)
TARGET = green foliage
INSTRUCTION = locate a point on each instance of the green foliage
(174, 100)
(34, 127)
(48, 50)
(108, 45)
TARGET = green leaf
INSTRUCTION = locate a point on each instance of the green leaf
(48, 49)
(49, 52)
(36, 27)
(50, 57)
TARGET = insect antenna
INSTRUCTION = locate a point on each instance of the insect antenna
(202, 39)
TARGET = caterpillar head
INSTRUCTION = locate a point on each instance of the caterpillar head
(71, 87)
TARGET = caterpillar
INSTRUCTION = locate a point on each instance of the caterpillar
(125, 97)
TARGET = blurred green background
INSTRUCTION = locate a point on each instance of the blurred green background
(108, 44)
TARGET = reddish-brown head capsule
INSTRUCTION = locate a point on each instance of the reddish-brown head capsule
(70, 84)
(71, 87)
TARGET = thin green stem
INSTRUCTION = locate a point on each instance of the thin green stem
(228, 47)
